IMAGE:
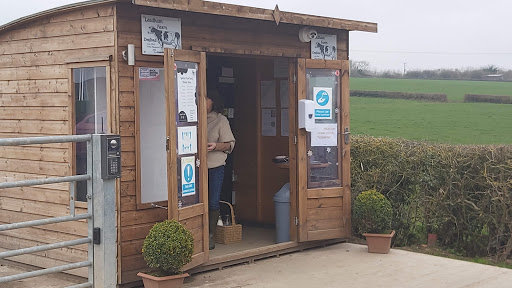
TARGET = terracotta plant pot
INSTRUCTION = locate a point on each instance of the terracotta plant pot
(174, 281)
(431, 240)
(379, 243)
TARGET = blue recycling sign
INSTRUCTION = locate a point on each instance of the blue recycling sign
(323, 102)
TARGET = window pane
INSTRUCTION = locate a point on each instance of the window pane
(152, 135)
(322, 145)
(185, 77)
(90, 92)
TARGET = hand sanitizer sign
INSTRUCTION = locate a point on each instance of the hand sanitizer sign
(323, 102)
(188, 177)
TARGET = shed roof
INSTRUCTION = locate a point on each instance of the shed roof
(215, 8)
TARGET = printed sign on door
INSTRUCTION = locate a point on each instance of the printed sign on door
(187, 140)
(188, 178)
(323, 102)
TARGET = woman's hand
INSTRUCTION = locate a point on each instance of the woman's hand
(212, 146)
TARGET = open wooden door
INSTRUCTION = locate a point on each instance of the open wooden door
(323, 156)
(185, 90)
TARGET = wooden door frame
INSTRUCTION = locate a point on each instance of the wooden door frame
(173, 212)
(300, 150)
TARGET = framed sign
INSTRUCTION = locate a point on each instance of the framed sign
(188, 178)
(158, 33)
(324, 47)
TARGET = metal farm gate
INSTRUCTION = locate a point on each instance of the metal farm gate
(103, 167)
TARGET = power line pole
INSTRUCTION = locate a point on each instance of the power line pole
(404, 67)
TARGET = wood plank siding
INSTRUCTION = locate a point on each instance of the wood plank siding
(35, 100)
(201, 32)
(37, 54)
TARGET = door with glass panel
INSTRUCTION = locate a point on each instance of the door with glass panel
(323, 152)
(185, 90)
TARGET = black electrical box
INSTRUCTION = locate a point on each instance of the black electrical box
(110, 156)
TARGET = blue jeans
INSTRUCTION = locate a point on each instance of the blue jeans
(215, 179)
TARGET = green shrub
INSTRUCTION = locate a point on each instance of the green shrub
(461, 192)
(168, 247)
(372, 213)
(434, 97)
(488, 99)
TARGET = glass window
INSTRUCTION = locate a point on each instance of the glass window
(152, 135)
(322, 145)
(90, 93)
(185, 77)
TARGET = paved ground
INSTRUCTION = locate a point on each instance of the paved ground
(340, 265)
(349, 265)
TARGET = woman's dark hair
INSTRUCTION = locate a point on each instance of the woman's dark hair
(217, 99)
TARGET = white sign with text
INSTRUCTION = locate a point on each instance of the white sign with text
(160, 32)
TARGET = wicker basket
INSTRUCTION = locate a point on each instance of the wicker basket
(229, 234)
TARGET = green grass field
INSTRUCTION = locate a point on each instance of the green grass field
(454, 122)
(454, 90)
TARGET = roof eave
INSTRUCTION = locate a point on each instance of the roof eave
(232, 10)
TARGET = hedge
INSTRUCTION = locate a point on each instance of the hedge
(488, 99)
(400, 95)
(462, 193)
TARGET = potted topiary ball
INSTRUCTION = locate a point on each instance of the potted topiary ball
(167, 248)
(372, 214)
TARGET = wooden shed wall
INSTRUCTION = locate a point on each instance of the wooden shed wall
(35, 100)
(201, 32)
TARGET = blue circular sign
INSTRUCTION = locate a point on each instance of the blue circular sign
(322, 98)
(188, 173)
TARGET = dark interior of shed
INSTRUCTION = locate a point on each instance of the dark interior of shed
(251, 177)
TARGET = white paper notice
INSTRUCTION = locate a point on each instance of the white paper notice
(283, 94)
(187, 140)
(323, 102)
(268, 122)
(188, 177)
(325, 135)
(268, 94)
(227, 72)
(285, 122)
(187, 106)
(149, 74)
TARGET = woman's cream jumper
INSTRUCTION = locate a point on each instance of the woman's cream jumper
(219, 132)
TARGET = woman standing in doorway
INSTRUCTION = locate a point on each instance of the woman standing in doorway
(220, 142)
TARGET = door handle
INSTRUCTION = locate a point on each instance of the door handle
(346, 133)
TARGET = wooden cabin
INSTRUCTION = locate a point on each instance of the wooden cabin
(63, 71)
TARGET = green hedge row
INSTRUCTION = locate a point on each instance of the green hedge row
(400, 95)
(462, 193)
(488, 99)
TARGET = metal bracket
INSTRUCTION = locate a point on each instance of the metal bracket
(96, 235)
(167, 144)
(296, 221)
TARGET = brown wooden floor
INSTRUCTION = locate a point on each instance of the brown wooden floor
(252, 238)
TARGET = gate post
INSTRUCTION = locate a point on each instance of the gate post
(106, 167)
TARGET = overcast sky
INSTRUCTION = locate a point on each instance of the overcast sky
(420, 34)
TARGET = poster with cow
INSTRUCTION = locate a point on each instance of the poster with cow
(159, 33)
(324, 47)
